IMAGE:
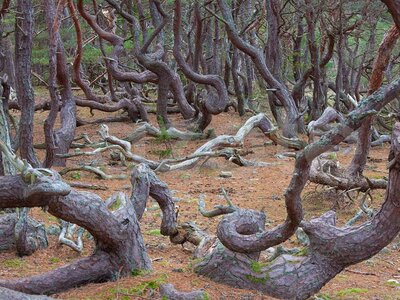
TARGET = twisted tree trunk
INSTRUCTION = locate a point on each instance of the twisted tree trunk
(119, 248)
(23, 57)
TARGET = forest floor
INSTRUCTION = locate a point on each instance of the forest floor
(249, 187)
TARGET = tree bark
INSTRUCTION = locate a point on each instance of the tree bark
(23, 57)
(359, 160)
(294, 122)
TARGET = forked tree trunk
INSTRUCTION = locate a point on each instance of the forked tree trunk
(217, 100)
(294, 121)
(58, 141)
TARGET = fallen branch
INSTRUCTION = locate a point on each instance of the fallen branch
(94, 170)
(88, 186)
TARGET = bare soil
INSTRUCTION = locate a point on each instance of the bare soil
(256, 188)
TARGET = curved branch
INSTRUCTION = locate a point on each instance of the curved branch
(118, 43)
(214, 105)
(268, 238)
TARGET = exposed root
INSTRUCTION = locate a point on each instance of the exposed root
(66, 235)
(327, 172)
(168, 291)
(218, 209)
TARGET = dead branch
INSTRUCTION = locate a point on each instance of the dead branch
(67, 232)
(218, 209)
(94, 170)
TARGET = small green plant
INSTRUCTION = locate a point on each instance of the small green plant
(163, 153)
(14, 263)
(141, 288)
(76, 175)
(184, 176)
(256, 266)
(254, 279)
(163, 138)
(322, 297)
(351, 292)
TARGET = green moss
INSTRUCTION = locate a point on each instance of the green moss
(303, 252)
(256, 266)
(259, 280)
(139, 272)
(54, 260)
(332, 156)
(14, 263)
(116, 204)
(351, 291)
(206, 296)
(342, 277)
(184, 176)
(393, 283)
(52, 218)
(194, 262)
(154, 232)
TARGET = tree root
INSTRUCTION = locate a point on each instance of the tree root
(119, 244)
(88, 186)
(206, 150)
(146, 129)
(67, 232)
(327, 172)
(11, 294)
(169, 291)
(35, 234)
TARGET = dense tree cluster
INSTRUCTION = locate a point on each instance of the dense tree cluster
(322, 70)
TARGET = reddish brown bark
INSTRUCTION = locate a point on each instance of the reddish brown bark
(217, 100)
(23, 57)
(359, 160)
